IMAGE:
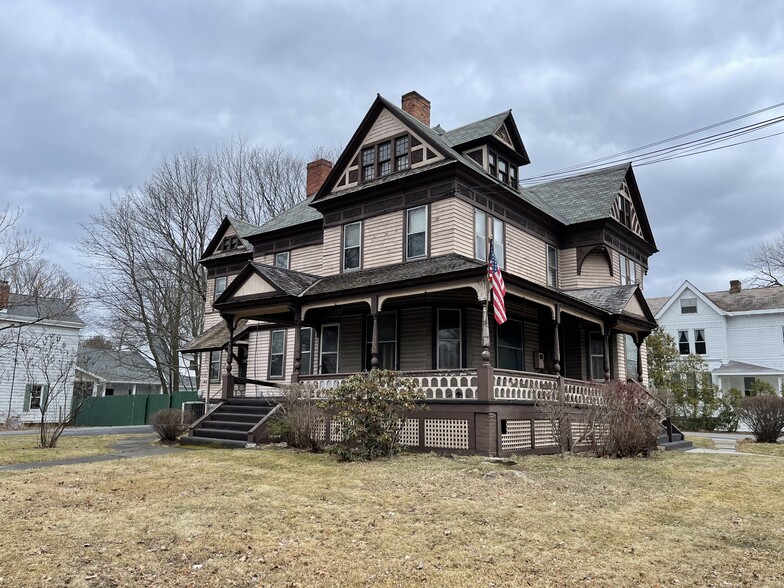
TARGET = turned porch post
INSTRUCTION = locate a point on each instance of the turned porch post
(374, 338)
(227, 388)
(297, 344)
(606, 353)
(557, 342)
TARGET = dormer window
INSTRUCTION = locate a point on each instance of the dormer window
(230, 243)
(500, 168)
(382, 159)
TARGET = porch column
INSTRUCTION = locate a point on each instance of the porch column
(227, 388)
(640, 341)
(297, 344)
(374, 337)
(557, 342)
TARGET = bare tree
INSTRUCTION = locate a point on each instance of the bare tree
(49, 362)
(145, 244)
(17, 246)
(766, 262)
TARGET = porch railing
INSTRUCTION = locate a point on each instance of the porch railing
(512, 385)
(436, 384)
(581, 392)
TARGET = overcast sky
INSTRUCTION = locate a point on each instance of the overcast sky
(93, 94)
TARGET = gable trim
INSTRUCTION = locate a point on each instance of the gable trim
(697, 292)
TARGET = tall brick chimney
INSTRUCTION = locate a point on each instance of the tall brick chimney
(735, 286)
(317, 173)
(417, 106)
(4, 291)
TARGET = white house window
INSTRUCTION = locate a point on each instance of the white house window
(552, 266)
(683, 342)
(480, 235)
(352, 245)
(448, 339)
(387, 341)
(509, 345)
(498, 242)
(215, 366)
(330, 335)
(688, 306)
(631, 357)
(597, 356)
(220, 286)
(699, 342)
(35, 396)
(277, 353)
(748, 385)
(306, 351)
(416, 232)
(282, 259)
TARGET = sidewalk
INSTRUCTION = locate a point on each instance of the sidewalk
(726, 443)
(81, 431)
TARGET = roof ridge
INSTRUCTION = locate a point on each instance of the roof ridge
(601, 170)
(285, 269)
(476, 122)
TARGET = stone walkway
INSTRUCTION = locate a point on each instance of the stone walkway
(138, 446)
(726, 443)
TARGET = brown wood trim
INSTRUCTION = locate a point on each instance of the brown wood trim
(584, 252)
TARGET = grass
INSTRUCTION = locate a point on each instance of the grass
(24, 448)
(701, 442)
(281, 518)
(751, 446)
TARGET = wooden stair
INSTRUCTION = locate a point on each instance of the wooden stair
(678, 440)
(234, 423)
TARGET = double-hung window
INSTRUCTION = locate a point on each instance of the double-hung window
(306, 351)
(385, 159)
(485, 225)
(509, 345)
(282, 259)
(552, 266)
(352, 245)
(683, 342)
(368, 164)
(416, 232)
(329, 347)
(448, 340)
(480, 235)
(699, 342)
(500, 168)
(631, 357)
(220, 286)
(628, 271)
(387, 341)
(596, 344)
(215, 366)
(498, 242)
(401, 153)
(277, 353)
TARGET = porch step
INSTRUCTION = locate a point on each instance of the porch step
(220, 434)
(681, 445)
(230, 424)
(209, 442)
(238, 417)
(662, 439)
(245, 409)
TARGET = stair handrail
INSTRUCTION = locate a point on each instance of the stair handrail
(667, 411)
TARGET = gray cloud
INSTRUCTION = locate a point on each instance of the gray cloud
(96, 92)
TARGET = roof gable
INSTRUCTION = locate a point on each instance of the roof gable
(615, 300)
(231, 227)
(501, 127)
(677, 295)
(263, 281)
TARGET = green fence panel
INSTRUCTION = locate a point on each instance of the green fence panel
(177, 398)
(155, 403)
(117, 411)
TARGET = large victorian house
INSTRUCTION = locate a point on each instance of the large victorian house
(385, 262)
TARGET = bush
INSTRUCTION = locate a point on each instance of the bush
(370, 408)
(632, 422)
(168, 424)
(727, 414)
(764, 415)
(298, 421)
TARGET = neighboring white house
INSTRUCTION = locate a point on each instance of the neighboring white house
(739, 333)
(38, 342)
(109, 372)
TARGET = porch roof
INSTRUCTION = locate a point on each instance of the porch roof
(612, 299)
(740, 368)
(214, 338)
(398, 273)
(289, 281)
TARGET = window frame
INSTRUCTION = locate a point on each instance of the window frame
(215, 378)
(216, 293)
(630, 345)
(501, 259)
(399, 157)
(302, 363)
(288, 259)
(459, 338)
(552, 268)
(230, 242)
(409, 234)
(336, 352)
(698, 343)
(477, 236)
(681, 343)
(359, 247)
(370, 161)
(683, 306)
(282, 354)
(595, 336)
(36, 393)
(498, 345)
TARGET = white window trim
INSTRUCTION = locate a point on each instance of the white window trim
(549, 266)
(678, 341)
(491, 222)
(704, 341)
(321, 347)
(216, 294)
(288, 259)
(459, 338)
(696, 307)
(211, 362)
(343, 249)
(477, 212)
(427, 235)
(282, 373)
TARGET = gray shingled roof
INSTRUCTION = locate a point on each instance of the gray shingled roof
(291, 282)
(215, 337)
(751, 299)
(475, 130)
(738, 367)
(117, 366)
(655, 304)
(296, 215)
(400, 272)
(37, 308)
(612, 299)
(585, 197)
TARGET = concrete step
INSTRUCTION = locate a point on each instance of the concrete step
(680, 445)
(209, 442)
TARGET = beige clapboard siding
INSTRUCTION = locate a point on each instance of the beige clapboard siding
(644, 354)
(526, 256)
(350, 350)
(307, 259)
(452, 227)
(211, 316)
(331, 251)
(416, 350)
(567, 268)
(383, 240)
(595, 272)
(386, 125)
(620, 355)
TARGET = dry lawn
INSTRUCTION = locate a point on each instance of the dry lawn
(274, 517)
(701, 442)
(750, 446)
(24, 448)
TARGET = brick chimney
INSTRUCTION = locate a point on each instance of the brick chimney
(735, 287)
(317, 173)
(4, 291)
(417, 106)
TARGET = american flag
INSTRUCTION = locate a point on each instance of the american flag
(499, 289)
